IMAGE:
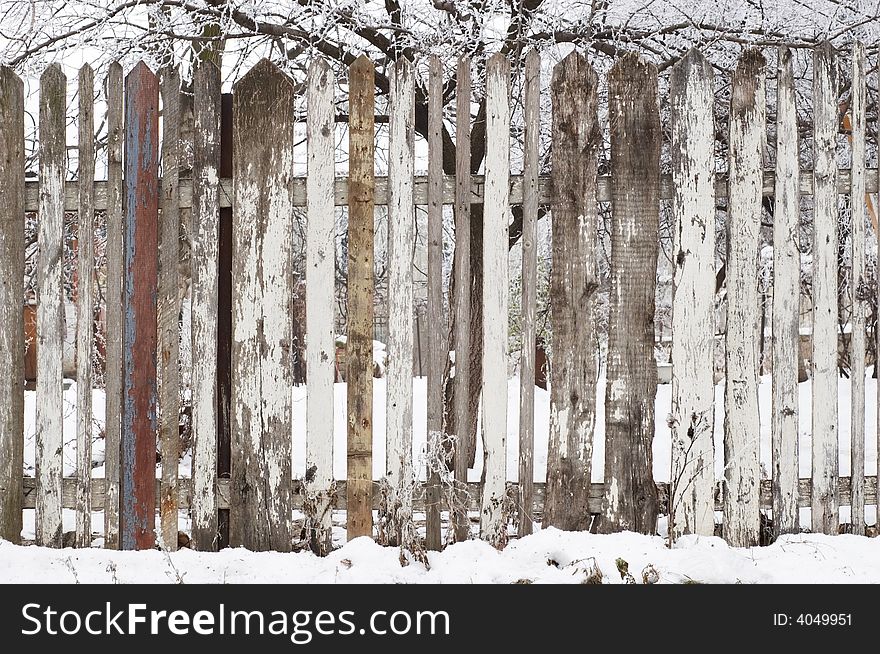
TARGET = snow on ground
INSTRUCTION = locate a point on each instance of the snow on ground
(550, 556)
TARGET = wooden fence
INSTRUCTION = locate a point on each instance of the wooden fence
(255, 502)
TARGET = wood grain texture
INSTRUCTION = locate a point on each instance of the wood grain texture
(262, 296)
(493, 513)
(858, 292)
(168, 311)
(825, 293)
(50, 305)
(529, 241)
(461, 302)
(114, 93)
(436, 321)
(12, 343)
(359, 346)
(786, 304)
(574, 284)
(631, 499)
(320, 295)
(692, 418)
(85, 322)
(137, 520)
(204, 255)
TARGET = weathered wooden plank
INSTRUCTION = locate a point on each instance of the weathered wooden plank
(858, 292)
(137, 520)
(786, 304)
(320, 296)
(461, 302)
(168, 309)
(493, 515)
(437, 352)
(631, 501)
(876, 335)
(741, 420)
(596, 493)
(529, 241)
(85, 305)
(262, 296)
(396, 525)
(693, 399)
(359, 346)
(50, 305)
(475, 194)
(574, 283)
(824, 341)
(113, 309)
(12, 342)
(204, 258)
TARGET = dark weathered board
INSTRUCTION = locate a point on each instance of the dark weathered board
(462, 295)
(529, 241)
(359, 346)
(114, 92)
(168, 309)
(204, 257)
(574, 284)
(634, 115)
(50, 305)
(12, 343)
(262, 296)
(137, 520)
(85, 332)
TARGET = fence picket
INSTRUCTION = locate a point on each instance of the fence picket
(631, 503)
(262, 292)
(786, 304)
(168, 311)
(113, 309)
(858, 288)
(693, 307)
(50, 306)
(359, 346)
(85, 306)
(531, 162)
(461, 302)
(574, 282)
(137, 520)
(320, 334)
(12, 343)
(437, 353)
(204, 256)
(824, 338)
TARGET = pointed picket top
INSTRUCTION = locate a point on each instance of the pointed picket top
(9, 77)
(140, 71)
(744, 83)
(362, 63)
(264, 69)
(533, 58)
(403, 66)
(86, 69)
(634, 68)
(573, 69)
(319, 66)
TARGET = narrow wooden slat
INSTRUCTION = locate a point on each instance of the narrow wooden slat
(858, 290)
(824, 341)
(741, 421)
(320, 300)
(396, 525)
(168, 311)
(435, 318)
(574, 283)
(50, 305)
(786, 304)
(113, 309)
(137, 520)
(691, 421)
(359, 346)
(204, 257)
(85, 322)
(12, 343)
(262, 296)
(876, 331)
(493, 518)
(631, 501)
(531, 162)
(462, 295)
